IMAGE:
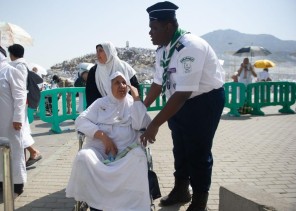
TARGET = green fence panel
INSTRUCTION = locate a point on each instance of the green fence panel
(31, 114)
(57, 116)
(262, 94)
(157, 104)
(235, 95)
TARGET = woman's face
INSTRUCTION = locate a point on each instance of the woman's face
(119, 87)
(101, 55)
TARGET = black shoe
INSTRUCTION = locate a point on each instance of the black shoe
(31, 161)
(179, 194)
(199, 202)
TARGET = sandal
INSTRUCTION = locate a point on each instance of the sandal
(31, 161)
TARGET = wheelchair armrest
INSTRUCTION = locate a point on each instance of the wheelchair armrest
(81, 138)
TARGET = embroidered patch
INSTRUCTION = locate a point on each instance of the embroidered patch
(179, 46)
(186, 61)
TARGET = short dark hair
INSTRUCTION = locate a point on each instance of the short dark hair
(56, 78)
(16, 50)
(174, 22)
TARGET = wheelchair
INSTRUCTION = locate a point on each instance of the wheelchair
(152, 177)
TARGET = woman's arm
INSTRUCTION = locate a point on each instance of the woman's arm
(110, 146)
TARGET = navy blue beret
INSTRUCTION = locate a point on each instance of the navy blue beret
(162, 11)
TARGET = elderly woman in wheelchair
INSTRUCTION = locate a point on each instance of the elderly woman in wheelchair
(110, 171)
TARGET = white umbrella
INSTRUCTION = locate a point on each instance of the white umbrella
(40, 70)
(252, 51)
(12, 34)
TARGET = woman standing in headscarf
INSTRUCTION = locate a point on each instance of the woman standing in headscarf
(108, 63)
(110, 172)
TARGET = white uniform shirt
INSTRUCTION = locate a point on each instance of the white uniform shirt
(194, 68)
(262, 76)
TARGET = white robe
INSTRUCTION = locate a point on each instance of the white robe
(123, 184)
(13, 96)
(20, 64)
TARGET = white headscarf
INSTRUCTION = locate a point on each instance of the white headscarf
(113, 111)
(113, 64)
(3, 60)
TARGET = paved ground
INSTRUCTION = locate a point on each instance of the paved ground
(260, 151)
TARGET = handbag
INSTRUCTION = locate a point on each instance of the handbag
(153, 185)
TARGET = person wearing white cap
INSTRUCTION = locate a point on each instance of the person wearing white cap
(13, 113)
(189, 76)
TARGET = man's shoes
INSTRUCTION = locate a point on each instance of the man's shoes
(199, 202)
(31, 161)
(179, 194)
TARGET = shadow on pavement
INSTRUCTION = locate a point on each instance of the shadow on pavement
(54, 201)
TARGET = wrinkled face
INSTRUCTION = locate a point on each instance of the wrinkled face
(158, 33)
(101, 55)
(119, 87)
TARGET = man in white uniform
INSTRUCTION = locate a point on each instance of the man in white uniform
(189, 75)
(16, 53)
(13, 95)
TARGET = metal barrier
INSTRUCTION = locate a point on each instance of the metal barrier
(8, 195)
(271, 94)
(235, 96)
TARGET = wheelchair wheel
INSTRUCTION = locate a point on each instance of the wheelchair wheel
(81, 207)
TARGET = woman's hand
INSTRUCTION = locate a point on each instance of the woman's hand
(110, 146)
(134, 92)
(17, 125)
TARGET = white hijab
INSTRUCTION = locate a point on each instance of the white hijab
(3, 60)
(113, 111)
(113, 64)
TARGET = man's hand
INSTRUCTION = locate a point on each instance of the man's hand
(149, 135)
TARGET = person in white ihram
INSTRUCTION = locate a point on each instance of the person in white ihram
(110, 172)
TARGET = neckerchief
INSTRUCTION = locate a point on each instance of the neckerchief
(166, 59)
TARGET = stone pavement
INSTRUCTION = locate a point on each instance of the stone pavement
(257, 150)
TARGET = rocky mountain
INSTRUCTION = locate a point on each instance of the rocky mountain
(224, 42)
(229, 41)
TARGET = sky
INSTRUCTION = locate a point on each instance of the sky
(65, 29)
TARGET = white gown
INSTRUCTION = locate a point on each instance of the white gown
(28, 139)
(120, 185)
(12, 105)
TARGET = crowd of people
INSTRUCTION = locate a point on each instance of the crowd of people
(189, 78)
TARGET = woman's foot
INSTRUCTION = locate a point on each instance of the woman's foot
(33, 159)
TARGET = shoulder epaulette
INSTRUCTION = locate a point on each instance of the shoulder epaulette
(179, 46)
